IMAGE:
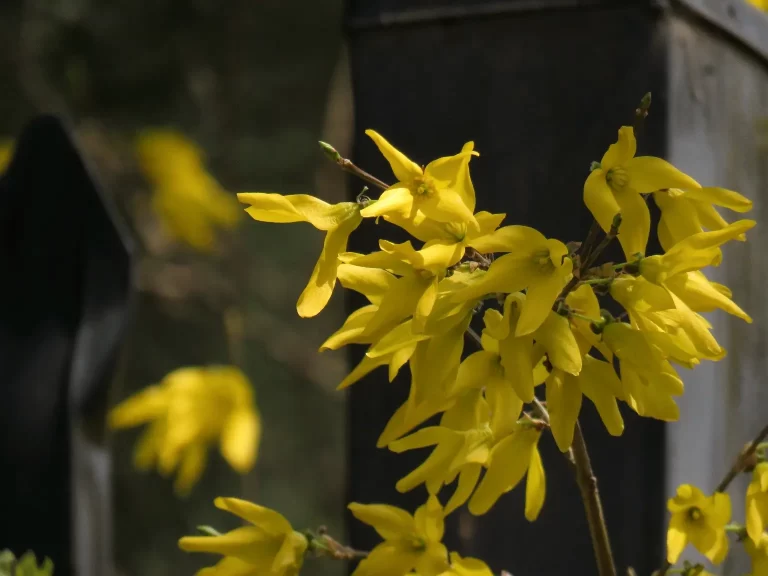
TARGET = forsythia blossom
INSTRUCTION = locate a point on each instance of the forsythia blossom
(699, 520)
(543, 327)
(190, 409)
(267, 546)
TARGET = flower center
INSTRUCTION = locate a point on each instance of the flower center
(694, 514)
(543, 261)
(617, 178)
(425, 187)
(458, 230)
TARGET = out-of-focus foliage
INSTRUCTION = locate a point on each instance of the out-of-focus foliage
(26, 565)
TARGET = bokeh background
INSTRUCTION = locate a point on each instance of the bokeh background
(540, 86)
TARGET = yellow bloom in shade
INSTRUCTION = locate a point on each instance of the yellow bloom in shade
(187, 411)
(441, 191)
(688, 212)
(188, 200)
(536, 264)
(462, 444)
(467, 567)
(649, 381)
(616, 187)
(338, 220)
(509, 461)
(758, 553)
(411, 542)
(6, 153)
(699, 520)
(757, 503)
(268, 546)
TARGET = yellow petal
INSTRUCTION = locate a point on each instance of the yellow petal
(240, 439)
(190, 469)
(510, 273)
(535, 486)
(403, 168)
(387, 558)
(455, 170)
(635, 223)
(266, 519)
(365, 367)
(148, 404)
(398, 304)
(649, 174)
(468, 478)
(446, 205)
(291, 553)
(600, 199)
(622, 151)
(370, 282)
(543, 290)
(429, 520)
(676, 538)
(390, 522)
(229, 566)
(720, 197)
(509, 461)
(241, 542)
(559, 342)
(599, 383)
(475, 371)
(424, 306)
(401, 336)
(352, 329)
(297, 208)
(517, 361)
(320, 287)
(392, 201)
(505, 405)
(518, 239)
(564, 404)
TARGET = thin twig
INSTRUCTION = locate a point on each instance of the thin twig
(350, 167)
(587, 482)
(738, 467)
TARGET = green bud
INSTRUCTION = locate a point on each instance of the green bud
(645, 102)
(330, 151)
(595, 166)
(616, 222)
(208, 531)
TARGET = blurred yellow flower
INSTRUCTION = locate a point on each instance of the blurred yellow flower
(410, 542)
(269, 546)
(338, 220)
(699, 520)
(467, 567)
(190, 409)
(761, 4)
(758, 553)
(7, 147)
(188, 200)
(757, 503)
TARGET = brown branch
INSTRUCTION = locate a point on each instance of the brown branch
(587, 482)
(348, 166)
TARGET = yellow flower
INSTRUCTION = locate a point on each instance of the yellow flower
(6, 153)
(269, 546)
(757, 503)
(758, 553)
(442, 191)
(338, 220)
(598, 382)
(506, 363)
(667, 321)
(509, 461)
(761, 4)
(187, 199)
(688, 212)
(535, 264)
(692, 253)
(190, 409)
(462, 443)
(648, 379)
(699, 520)
(616, 187)
(410, 542)
(467, 567)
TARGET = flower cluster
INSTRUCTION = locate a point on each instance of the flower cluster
(535, 302)
(187, 411)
